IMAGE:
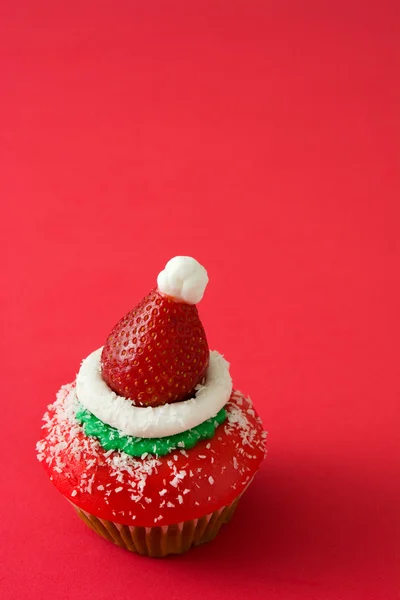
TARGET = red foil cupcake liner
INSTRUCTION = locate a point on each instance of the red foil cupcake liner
(161, 541)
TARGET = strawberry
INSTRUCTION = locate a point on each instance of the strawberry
(157, 353)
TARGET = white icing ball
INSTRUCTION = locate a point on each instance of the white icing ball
(183, 279)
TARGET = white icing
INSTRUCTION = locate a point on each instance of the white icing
(160, 421)
(183, 279)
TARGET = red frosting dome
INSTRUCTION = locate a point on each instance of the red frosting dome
(151, 491)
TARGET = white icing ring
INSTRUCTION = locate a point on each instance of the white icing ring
(148, 422)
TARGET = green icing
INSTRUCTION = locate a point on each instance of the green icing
(110, 438)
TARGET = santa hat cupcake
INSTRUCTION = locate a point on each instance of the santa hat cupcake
(150, 444)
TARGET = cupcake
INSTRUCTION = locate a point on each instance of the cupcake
(151, 444)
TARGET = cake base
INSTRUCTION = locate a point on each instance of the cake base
(160, 541)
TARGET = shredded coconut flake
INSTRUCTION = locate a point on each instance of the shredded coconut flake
(178, 476)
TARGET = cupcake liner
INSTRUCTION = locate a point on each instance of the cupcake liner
(160, 541)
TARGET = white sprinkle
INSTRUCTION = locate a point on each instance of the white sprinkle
(158, 519)
(118, 489)
(100, 487)
(74, 493)
(178, 477)
(170, 505)
(163, 492)
(202, 456)
(208, 446)
(211, 480)
(180, 499)
(185, 491)
(148, 500)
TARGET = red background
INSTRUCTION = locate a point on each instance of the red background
(262, 138)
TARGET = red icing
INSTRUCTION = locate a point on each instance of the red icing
(211, 474)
